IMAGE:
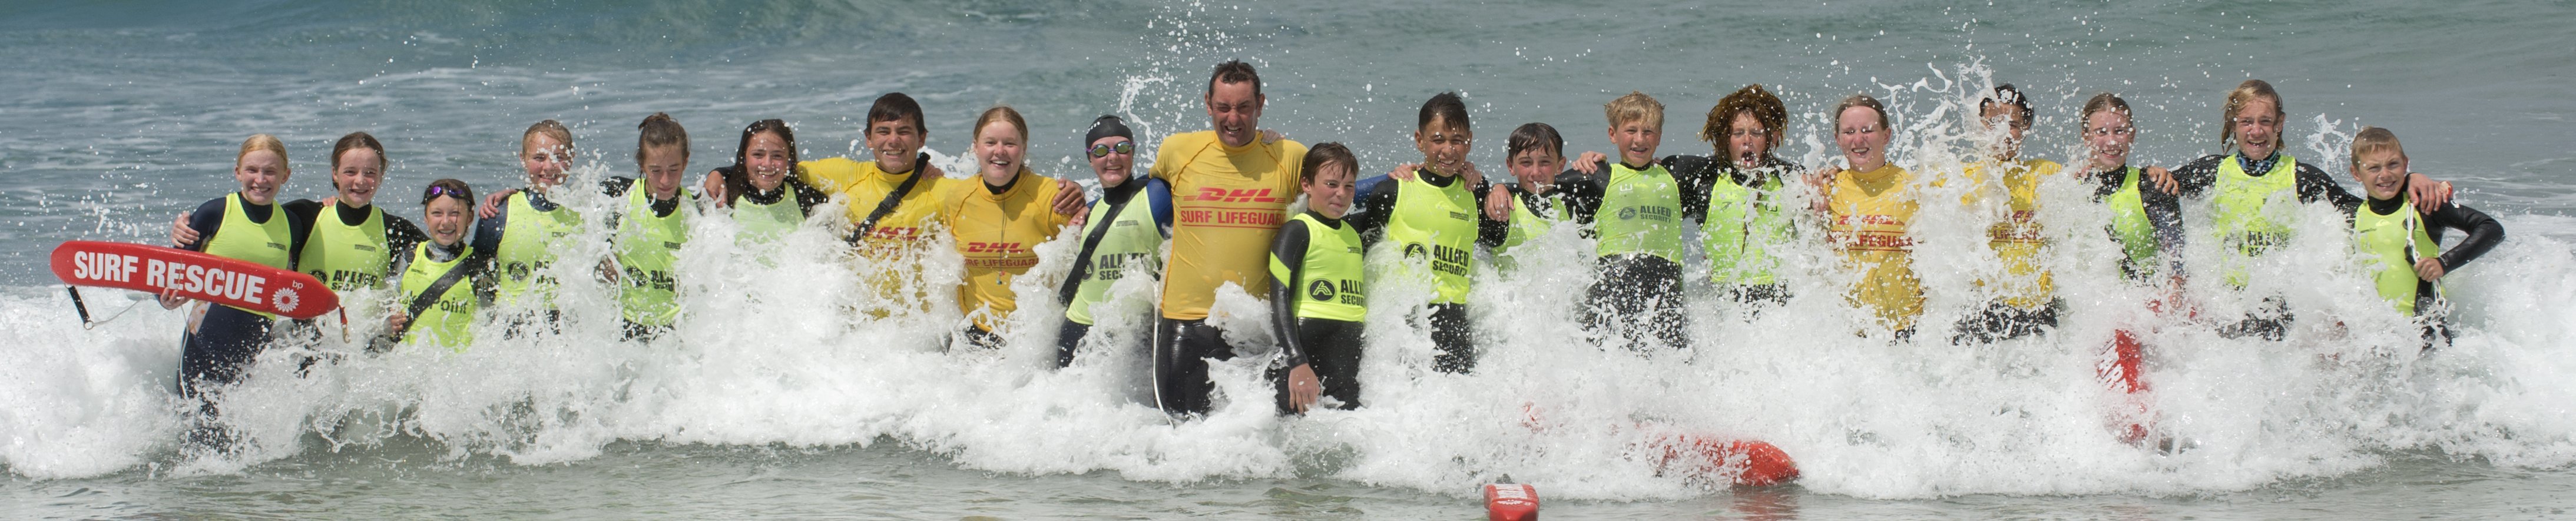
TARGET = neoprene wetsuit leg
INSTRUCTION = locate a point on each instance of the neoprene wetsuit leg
(1068, 337)
(1333, 349)
(225, 343)
(1450, 333)
(1181, 351)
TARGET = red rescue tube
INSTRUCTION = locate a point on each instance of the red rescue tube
(231, 282)
(1511, 502)
(1743, 463)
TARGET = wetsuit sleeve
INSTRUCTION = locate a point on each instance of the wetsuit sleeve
(401, 234)
(616, 186)
(1287, 259)
(1374, 210)
(204, 220)
(1693, 174)
(487, 232)
(300, 215)
(486, 287)
(1490, 233)
(2196, 178)
(1582, 192)
(2484, 233)
(2314, 185)
(2164, 215)
(1159, 194)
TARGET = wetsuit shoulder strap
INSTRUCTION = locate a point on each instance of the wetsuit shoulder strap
(1082, 264)
(893, 199)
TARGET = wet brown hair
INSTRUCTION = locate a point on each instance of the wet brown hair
(1752, 99)
(2237, 98)
(354, 141)
(659, 130)
(1326, 152)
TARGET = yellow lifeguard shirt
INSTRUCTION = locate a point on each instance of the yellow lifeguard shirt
(1869, 211)
(2017, 240)
(1227, 205)
(998, 234)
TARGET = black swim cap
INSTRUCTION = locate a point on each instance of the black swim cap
(1104, 127)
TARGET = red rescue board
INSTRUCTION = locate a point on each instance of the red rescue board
(1743, 463)
(230, 282)
(1511, 502)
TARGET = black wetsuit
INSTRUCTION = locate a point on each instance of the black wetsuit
(2272, 320)
(1697, 175)
(1642, 291)
(1448, 321)
(1330, 347)
(2483, 234)
(226, 340)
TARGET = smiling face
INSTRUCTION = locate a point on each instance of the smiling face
(767, 160)
(448, 217)
(2382, 172)
(1235, 112)
(545, 158)
(1113, 168)
(1444, 146)
(662, 168)
(1746, 140)
(1536, 167)
(1329, 191)
(2257, 127)
(1863, 141)
(2107, 136)
(1636, 141)
(1000, 147)
(360, 173)
(260, 173)
(895, 142)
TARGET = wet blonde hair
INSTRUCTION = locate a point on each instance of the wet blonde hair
(1636, 106)
(1860, 100)
(258, 142)
(2243, 94)
(2102, 102)
(2374, 139)
(549, 128)
(1001, 113)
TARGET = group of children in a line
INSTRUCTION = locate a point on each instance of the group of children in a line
(1212, 210)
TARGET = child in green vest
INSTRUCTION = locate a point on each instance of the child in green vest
(519, 229)
(445, 264)
(1317, 297)
(2404, 240)
(1634, 210)
(1535, 155)
(650, 229)
(761, 186)
(1433, 217)
(1736, 194)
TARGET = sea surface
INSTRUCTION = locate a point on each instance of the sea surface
(776, 398)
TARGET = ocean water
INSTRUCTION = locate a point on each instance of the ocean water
(775, 400)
